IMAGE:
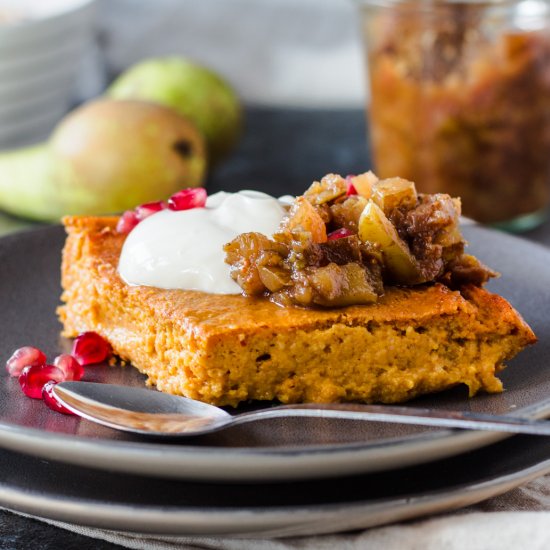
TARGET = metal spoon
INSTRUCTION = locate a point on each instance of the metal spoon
(150, 412)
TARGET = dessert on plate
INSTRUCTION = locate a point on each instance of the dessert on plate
(359, 290)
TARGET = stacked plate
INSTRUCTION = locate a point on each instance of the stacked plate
(279, 477)
(41, 47)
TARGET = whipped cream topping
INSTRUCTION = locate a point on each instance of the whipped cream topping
(184, 250)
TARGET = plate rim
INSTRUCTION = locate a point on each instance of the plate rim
(250, 464)
(276, 521)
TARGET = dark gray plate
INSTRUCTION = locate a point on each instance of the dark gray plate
(142, 504)
(273, 450)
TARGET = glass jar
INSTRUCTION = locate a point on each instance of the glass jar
(460, 101)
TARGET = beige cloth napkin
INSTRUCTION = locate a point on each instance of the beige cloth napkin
(517, 520)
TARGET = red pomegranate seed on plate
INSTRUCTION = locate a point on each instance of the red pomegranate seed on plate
(187, 199)
(145, 210)
(70, 366)
(90, 347)
(339, 234)
(127, 222)
(32, 379)
(26, 356)
(51, 400)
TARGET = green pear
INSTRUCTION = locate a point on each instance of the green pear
(106, 156)
(197, 93)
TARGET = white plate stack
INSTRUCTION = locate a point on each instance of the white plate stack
(42, 43)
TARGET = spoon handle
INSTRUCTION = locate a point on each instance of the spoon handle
(404, 415)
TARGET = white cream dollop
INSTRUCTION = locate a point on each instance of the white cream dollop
(184, 250)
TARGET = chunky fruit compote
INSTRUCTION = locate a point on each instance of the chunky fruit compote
(346, 238)
(460, 110)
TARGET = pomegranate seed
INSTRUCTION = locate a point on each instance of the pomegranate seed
(127, 222)
(70, 366)
(145, 210)
(90, 347)
(351, 188)
(25, 357)
(339, 234)
(51, 400)
(32, 379)
(187, 199)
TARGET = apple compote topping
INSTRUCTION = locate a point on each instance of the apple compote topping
(460, 102)
(344, 239)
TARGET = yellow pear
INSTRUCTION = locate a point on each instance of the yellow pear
(196, 92)
(104, 157)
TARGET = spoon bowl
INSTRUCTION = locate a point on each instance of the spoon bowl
(150, 412)
(140, 410)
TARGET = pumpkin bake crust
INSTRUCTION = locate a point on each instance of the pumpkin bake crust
(224, 349)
